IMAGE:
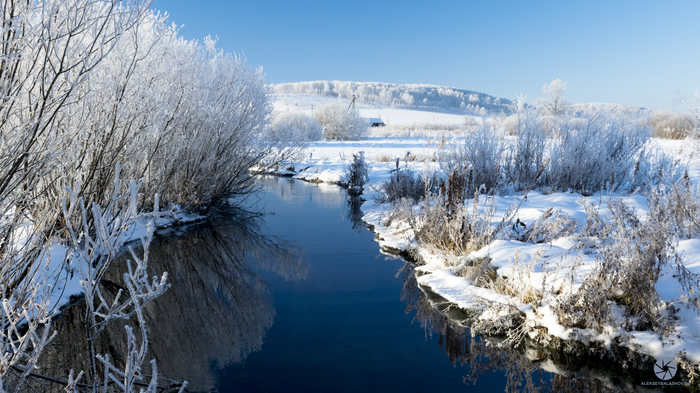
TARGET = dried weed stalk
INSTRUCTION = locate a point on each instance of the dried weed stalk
(631, 257)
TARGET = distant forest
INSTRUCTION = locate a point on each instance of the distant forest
(422, 97)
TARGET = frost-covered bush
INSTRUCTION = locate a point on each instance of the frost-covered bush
(446, 223)
(655, 167)
(404, 183)
(684, 205)
(290, 134)
(694, 109)
(182, 115)
(294, 127)
(632, 255)
(341, 123)
(211, 130)
(91, 254)
(480, 153)
(92, 86)
(356, 174)
(597, 152)
(527, 153)
(586, 153)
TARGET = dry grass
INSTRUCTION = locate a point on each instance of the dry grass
(669, 125)
(417, 130)
(630, 258)
(384, 158)
(438, 142)
(444, 222)
(519, 284)
(551, 225)
(410, 157)
(479, 271)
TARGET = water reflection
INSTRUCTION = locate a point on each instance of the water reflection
(321, 194)
(215, 313)
(354, 213)
(526, 368)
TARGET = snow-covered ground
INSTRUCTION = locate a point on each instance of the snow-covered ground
(65, 282)
(555, 264)
(307, 103)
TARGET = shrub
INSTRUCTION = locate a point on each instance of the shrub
(527, 153)
(290, 134)
(630, 259)
(684, 205)
(356, 174)
(655, 167)
(341, 123)
(694, 108)
(294, 127)
(595, 153)
(404, 183)
(446, 223)
(479, 153)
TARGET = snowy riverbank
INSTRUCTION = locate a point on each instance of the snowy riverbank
(555, 267)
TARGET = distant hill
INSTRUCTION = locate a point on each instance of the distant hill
(619, 109)
(421, 97)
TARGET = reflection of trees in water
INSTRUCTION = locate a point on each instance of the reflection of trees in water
(525, 366)
(322, 194)
(216, 311)
(354, 212)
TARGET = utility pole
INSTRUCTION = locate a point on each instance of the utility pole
(352, 104)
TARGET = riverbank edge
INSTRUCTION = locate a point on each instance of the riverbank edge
(395, 242)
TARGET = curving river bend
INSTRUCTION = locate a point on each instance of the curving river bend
(301, 300)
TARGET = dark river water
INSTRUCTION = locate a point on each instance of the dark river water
(300, 299)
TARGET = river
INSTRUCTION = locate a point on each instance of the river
(300, 299)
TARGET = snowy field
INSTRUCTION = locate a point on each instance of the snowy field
(556, 264)
(306, 103)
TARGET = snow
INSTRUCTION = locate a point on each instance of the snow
(307, 103)
(65, 280)
(549, 264)
(556, 264)
(407, 96)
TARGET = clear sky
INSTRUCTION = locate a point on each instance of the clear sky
(640, 52)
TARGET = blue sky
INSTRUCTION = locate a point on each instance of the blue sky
(644, 53)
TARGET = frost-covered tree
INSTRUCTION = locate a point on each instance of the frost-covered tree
(341, 123)
(553, 102)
